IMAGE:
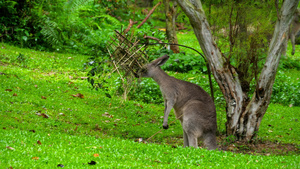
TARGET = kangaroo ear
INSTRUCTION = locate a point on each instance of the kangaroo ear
(161, 61)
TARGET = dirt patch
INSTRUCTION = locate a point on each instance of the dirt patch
(258, 147)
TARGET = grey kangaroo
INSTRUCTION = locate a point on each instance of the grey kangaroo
(293, 30)
(194, 107)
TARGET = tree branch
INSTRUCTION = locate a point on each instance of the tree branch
(129, 25)
(153, 38)
(149, 14)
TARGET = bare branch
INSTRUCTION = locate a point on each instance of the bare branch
(149, 14)
(153, 38)
(130, 25)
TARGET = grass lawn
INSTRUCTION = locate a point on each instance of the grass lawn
(51, 117)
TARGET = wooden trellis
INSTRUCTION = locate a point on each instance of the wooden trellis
(127, 56)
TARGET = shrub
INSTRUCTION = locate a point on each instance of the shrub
(147, 91)
(71, 26)
(289, 63)
(181, 62)
(284, 91)
(19, 24)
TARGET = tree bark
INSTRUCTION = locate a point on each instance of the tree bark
(171, 12)
(243, 116)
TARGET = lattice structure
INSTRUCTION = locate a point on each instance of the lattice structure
(126, 55)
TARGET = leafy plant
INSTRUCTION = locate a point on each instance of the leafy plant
(73, 26)
(289, 63)
(284, 91)
(81, 26)
(147, 91)
(19, 23)
(181, 62)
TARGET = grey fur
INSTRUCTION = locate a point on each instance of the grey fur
(198, 109)
(295, 27)
(293, 30)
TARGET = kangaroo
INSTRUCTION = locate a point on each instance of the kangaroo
(293, 30)
(193, 106)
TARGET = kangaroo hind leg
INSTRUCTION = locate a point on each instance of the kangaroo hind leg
(210, 141)
(185, 139)
(193, 140)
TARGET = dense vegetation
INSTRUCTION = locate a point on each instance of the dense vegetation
(51, 115)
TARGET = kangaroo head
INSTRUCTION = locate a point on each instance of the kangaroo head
(150, 69)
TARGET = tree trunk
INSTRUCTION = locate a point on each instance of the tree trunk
(171, 12)
(243, 115)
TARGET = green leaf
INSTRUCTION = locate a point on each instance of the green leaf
(24, 38)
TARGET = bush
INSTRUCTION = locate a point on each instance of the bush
(284, 91)
(289, 63)
(181, 62)
(72, 26)
(147, 91)
(20, 23)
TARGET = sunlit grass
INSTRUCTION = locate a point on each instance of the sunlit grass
(25, 149)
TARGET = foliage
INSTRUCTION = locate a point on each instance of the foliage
(289, 63)
(286, 87)
(243, 30)
(19, 23)
(181, 62)
(81, 26)
(147, 91)
(284, 91)
(73, 26)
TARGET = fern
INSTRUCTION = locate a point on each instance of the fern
(108, 18)
(75, 5)
(50, 30)
(77, 25)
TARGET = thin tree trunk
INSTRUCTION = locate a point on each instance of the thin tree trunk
(243, 117)
(171, 12)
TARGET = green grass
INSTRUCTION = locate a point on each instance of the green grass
(77, 151)
(35, 83)
(281, 124)
(188, 39)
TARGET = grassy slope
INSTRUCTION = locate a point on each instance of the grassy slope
(77, 151)
(77, 128)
